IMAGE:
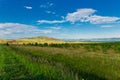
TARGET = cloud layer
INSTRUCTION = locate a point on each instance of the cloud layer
(17, 30)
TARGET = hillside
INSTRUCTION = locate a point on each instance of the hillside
(3, 41)
(41, 39)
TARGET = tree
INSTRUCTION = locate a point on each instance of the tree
(7, 44)
(45, 44)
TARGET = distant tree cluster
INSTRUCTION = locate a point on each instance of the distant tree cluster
(53, 45)
(87, 46)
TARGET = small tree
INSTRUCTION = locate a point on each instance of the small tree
(36, 44)
(45, 44)
(7, 44)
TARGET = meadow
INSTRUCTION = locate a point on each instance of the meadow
(67, 61)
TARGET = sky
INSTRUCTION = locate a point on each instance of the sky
(62, 19)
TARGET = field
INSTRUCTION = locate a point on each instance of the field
(67, 61)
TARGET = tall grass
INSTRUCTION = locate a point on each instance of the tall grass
(79, 61)
(18, 66)
(97, 63)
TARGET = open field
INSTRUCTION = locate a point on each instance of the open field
(78, 61)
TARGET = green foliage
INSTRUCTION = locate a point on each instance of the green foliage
(45, 44)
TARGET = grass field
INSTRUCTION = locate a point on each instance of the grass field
(70, 61)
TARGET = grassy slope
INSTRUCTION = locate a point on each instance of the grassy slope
(41, 39)
(3, 41)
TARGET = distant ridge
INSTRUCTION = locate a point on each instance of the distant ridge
(39, 39)
(93, 40)
(44, 39)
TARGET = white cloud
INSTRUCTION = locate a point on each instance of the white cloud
(47, 5)
(43, 6)
(50, 22)
(56, 28)
(102, 19)
(16, 30)
(80, 15)
(63, 17)
(50, 4)
(50, 12)
(88, 15)
(106, 26)
(28, 7)
(45, 31)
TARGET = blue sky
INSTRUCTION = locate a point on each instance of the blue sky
(63, 19)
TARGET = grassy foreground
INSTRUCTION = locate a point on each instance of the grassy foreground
(90, 61)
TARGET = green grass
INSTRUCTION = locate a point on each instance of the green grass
(15, 66)
(79, 61)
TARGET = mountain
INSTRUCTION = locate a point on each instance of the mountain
(40, 39)
(43, 39)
